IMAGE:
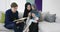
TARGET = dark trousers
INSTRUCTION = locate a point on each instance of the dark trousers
(33, 27)
(16, 27)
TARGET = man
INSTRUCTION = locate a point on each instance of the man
(10, 16)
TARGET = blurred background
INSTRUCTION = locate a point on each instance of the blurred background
(51, 6)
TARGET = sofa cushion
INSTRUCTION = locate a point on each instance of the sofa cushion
(57, 19)
(3, 29)
(49, 27)
(50, 17)
(2, 17)
(44, 15)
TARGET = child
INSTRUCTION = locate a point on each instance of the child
(32, 24)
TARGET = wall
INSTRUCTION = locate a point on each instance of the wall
(31, 1)
(5, 4)
(2, 5)
(21, 6)
(52, 6)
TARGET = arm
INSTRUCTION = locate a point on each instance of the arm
(29, 23)
(17, 15)
(8, 18)
(25, 14)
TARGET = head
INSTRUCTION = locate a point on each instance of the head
(33, 7)
(33, 14)
(28, 6)
(14, 7)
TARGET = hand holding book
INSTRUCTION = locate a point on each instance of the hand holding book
(20, 20)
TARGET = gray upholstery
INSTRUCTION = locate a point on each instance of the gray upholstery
(3, 29)
(50, 17)
(0, 14)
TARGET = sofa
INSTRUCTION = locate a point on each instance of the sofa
(44, 26)
(49, 27)
(2, 28)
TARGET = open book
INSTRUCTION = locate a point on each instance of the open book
(20, 20)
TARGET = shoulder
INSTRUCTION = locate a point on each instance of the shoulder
(8, 11)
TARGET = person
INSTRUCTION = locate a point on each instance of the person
(11, 15)
(28, 8)
(33, 23)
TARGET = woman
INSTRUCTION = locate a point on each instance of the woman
(27, 10)
(35, 18)
(32, 23)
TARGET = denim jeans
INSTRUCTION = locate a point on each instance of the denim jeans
(16, 27)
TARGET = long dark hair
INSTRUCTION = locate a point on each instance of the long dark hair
(26, 10)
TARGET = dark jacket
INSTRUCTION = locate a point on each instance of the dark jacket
(10, 17)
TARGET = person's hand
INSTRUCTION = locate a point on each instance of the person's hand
(24, 30)
(18, 22)
(33, 15)
(29, 14)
